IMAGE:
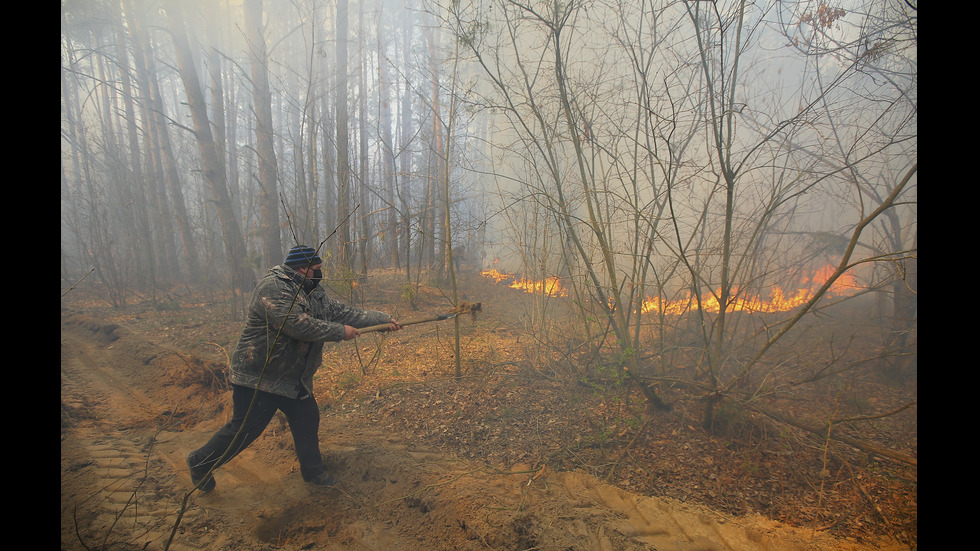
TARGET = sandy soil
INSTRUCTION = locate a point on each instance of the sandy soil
(133, 406)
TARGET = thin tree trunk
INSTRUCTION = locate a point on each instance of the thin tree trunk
(312, 186)
(434, 175)
(165, 175)
(387, 152)
(344, 249)
(231, 151)
(362, 181)
(328, 151)
(300, 217)
(262, 99)
(405, 146)
(214, 170)
(142, 237)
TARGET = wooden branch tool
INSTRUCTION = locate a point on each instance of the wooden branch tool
(470, 308)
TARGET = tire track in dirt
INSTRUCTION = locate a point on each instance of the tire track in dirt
(124, 473)
(136, 498)
(117, 489)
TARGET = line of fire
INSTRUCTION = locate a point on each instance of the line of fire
(779, 300)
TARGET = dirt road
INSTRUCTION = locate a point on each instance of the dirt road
(133, 408)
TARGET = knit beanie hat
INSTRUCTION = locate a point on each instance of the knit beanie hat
(302, 256)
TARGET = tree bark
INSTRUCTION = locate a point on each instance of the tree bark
(434, 256)
(387, 178)
(262, 100)
(214, 170)
(344, 249)
(142, 237)
(405, 147)
(363, 241)
(161, 169)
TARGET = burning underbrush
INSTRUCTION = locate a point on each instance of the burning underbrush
(778, 300)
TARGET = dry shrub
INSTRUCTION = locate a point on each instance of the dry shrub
(185, 370)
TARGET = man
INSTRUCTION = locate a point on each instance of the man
(289, 318)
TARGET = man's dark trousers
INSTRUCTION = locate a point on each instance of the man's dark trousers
(303, 417)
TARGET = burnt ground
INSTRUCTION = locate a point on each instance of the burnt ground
(513, 454)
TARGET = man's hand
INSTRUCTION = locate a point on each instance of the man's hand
(353, 332)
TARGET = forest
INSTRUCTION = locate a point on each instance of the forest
(715, 199)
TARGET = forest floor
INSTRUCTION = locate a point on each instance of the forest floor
(508, 456)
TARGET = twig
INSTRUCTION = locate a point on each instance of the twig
(427, 487)
(866, 495)
(68, 290)
(822, 432)
(347, 494)
(615, 465)
(824, 473)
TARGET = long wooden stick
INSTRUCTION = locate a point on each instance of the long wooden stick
(387, 326)
(462, 308)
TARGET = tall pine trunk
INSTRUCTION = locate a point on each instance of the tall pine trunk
(364, 214)
(389, 239)
(435, 239)
(142, 237)
(405, 145)
(344, 249)
(328, 152)
(214, 170)
(262, 99)
(161, 170)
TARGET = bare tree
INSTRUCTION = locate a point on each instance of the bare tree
(388, 170)
(690, 192)
(406, 149)
(345, 254)
(363, 179)
(159, 165)
(262, 102)
(213, 167)
(536, 92)
(876, 43)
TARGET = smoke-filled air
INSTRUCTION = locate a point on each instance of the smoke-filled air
(692, 223)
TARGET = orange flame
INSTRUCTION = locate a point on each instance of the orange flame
(550, 286)
(779, 300)
(495, 275)
(844, 284)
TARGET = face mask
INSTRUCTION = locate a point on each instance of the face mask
(311, 283)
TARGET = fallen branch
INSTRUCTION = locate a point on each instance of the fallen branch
(615, 465)
(821, 431)
(68, 290)
(425, 488)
